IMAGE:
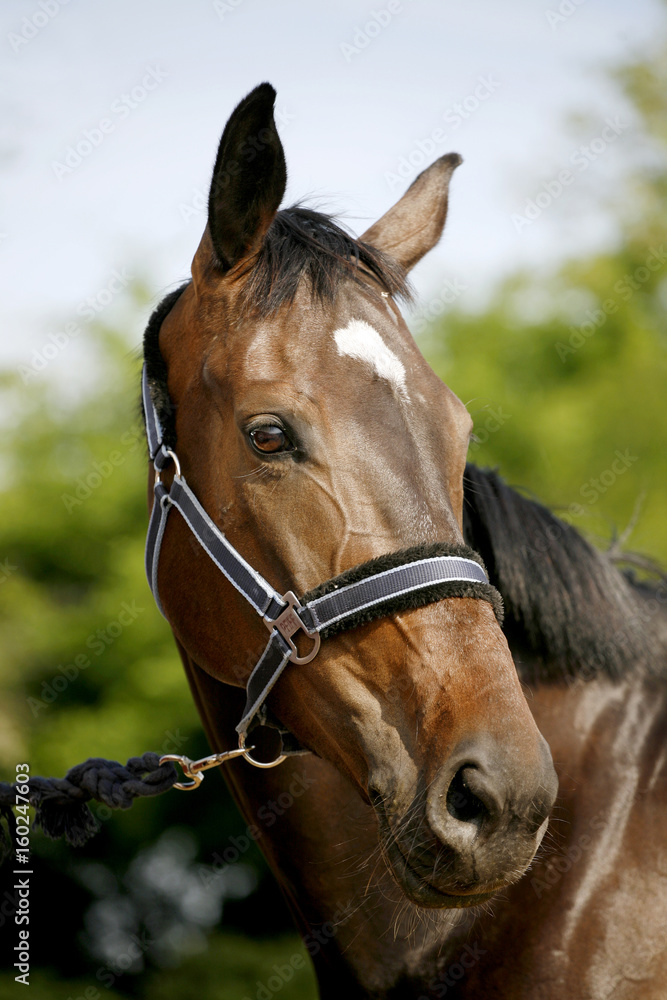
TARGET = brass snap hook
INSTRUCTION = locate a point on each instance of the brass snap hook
(194, 768)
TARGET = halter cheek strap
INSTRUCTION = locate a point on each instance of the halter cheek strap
(407, 579)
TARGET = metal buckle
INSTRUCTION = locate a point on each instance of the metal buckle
(288, 623)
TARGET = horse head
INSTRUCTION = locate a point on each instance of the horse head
(317, 437)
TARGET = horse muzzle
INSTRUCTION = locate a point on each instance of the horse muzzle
(473, 830)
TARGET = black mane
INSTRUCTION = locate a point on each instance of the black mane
(566, 604)
(301, 245)
(156, 369)
(304, 244)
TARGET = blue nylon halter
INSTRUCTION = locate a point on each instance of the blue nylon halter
(371, 593)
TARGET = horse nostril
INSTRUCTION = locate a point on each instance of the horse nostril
(469, 798)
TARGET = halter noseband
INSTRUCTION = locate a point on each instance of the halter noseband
(407, 579)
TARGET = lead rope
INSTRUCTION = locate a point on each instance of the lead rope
(61, 804)
(398, 581)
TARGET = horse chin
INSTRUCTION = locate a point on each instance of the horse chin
(423, 892)
(417, 886)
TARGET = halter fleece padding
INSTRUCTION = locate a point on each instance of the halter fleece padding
(156, 369)
(415, 599)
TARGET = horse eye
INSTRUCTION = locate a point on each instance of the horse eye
(270, 439)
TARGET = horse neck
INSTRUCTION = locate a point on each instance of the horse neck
(608, 746)
(320, 840)
(595, 880)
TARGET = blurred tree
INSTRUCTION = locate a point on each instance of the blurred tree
(88, 658)
(565, 378)
(90, 669)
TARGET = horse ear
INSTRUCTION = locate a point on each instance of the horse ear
(415, 223)
(249, 178)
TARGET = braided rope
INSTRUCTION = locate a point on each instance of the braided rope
(61, 803)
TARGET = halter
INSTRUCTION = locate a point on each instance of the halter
(406, 579)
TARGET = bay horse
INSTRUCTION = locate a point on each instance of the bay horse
(312, 432)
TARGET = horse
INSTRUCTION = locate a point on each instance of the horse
(417, 794)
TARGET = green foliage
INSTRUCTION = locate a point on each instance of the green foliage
(89, 662)
(565, 377)
(237, 968)
(47, 986)
(576, 417)
(90, 669)
(562, 376)
(234, 968)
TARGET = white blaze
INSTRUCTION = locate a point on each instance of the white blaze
(361, 341)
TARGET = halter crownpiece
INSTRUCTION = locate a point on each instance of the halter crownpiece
(398, 581)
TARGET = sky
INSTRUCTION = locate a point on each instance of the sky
(113, 110)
